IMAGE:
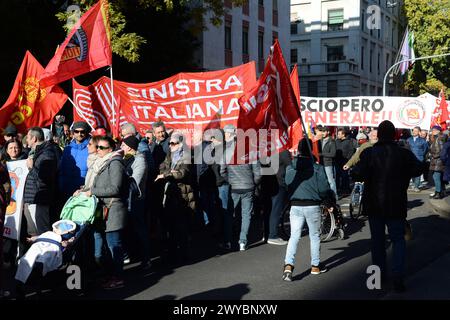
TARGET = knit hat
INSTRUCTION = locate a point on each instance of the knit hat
(10, 131)
(437, 128)
(81, 125)
(131, 142)
(229, 128)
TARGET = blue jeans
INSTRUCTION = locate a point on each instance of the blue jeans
(416, 181)
(298, 216)
(114, 241)
(279, 202)
(246, 200)
(224, 195)
(329, 170)
(437, 178)
(396, 229)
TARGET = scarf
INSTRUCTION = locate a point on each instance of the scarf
(89, 180)
(97, 165)
(176, 156)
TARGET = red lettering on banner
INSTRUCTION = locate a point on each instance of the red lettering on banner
(356, 118)
(375, 116)
(344, 117)
(333, 117)
(321, 117)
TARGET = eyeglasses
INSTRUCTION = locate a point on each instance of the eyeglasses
(173, 143)
(79, 131)
(103, 148)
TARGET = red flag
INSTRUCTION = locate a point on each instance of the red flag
(444, 111)
(86, 48)
(272, 103)
(29, 104)
(87, 107)
(296, 130)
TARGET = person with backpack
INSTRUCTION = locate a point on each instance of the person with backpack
(308, 187)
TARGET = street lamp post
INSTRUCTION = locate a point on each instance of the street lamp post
(407, 60)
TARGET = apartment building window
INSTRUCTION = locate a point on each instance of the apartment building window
(228, 52)
(335, 20)
(245, 8)
(275, 13)
(261, 10)
(261, 50)
(294, 56)
(312, 89)
(378, 64)
(363, 19)
(370, 60)
(332, 88)
(245, 40)
(274, 36)
(294, 28)
(387, 61)
(333, 54)
(362, 58)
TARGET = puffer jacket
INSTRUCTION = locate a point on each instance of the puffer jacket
(73, 168)
(40, 185)
(436, 147)
(180, 193)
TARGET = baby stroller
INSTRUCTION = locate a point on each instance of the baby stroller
(78, 243)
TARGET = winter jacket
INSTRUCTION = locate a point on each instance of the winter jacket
(418, 147)
(445, 158)
(355, 158)
(110, 188)
(179, 192)
(160, 152)
(344, 150)
(436, 147)
(40, 185)
(137, 169)
(307, 182)
(386, 169)
(73, 167)
(242, 177)
(328, 151)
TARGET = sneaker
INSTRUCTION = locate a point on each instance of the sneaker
(242, 247)
(432, 194)
(318, 269)
(287, 272)
(4, 294)
(277, 241)
(225, 246)
(416, 190)
(126, 261)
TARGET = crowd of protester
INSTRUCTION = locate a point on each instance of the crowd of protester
(153, 195)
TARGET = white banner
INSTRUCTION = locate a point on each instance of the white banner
(18, 172)
(403, 112)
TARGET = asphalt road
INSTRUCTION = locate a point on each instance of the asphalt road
(256, 273)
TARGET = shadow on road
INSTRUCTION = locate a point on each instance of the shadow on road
(234, 292)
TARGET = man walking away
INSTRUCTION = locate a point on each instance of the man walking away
(419, 147)
(386, 169)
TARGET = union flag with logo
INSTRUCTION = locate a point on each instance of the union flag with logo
(29, 104)
(86, 48)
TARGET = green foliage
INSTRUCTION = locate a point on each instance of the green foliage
(129, 44)
(430, 22)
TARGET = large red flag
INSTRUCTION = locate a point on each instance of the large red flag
(87, 107)
(444, 111)
(296, 130)
(86, 48)
(272, 103)
(29, 104)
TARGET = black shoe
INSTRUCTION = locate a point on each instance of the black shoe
(437, 196)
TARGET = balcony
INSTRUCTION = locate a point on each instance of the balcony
(328, 67)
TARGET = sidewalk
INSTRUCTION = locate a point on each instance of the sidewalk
(430, 283)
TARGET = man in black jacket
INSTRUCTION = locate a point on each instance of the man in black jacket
(345, 148)
(327, 155)
(386, 170)
(40, 185)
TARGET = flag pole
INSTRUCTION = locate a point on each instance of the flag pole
(80, 113)
(113, 100)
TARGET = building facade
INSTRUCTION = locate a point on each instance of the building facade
(345, 47)
(245, 34)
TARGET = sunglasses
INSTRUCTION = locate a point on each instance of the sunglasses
(103, 148)
(80, 131)
(173, 143)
